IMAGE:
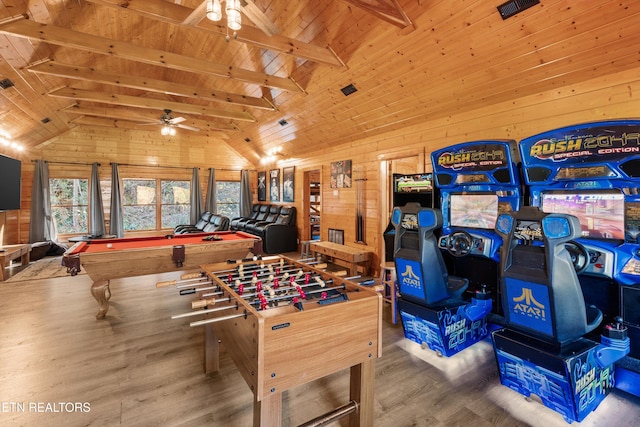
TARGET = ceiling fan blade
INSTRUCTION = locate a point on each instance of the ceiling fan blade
(176, 120)
(191, 128)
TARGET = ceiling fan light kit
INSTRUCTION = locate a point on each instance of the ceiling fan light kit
(232, 9)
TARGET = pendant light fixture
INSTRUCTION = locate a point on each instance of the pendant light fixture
(232, 9)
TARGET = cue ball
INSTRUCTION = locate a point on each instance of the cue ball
(109, 245)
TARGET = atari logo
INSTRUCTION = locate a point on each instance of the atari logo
(409, 278)
(526, 305)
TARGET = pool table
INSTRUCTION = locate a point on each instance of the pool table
(107, 259)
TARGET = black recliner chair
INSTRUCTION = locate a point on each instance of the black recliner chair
(234, 222)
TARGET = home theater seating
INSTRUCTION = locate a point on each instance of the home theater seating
(275, 224)
(207, 222)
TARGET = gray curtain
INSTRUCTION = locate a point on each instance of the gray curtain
(41, 228)
(196, 197)
(210, 204)
(245, 194)
(96, 209)
(116, 225)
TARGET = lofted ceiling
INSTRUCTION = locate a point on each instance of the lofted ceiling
(279, 81)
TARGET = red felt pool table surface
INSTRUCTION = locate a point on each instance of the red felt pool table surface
(99, 245)
(106, 259)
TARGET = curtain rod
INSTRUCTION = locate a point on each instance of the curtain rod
(66, 163)
(141, 166)
(178, 167)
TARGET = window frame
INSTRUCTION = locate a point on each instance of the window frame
(158, 201)
(72, 206)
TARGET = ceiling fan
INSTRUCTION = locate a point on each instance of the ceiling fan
(169, 123)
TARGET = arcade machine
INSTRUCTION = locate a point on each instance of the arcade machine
(477, 181)
(543, 350)
(408, 188)
(431, 306)
(592, 171)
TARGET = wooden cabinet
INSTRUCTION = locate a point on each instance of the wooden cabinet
(314, 210)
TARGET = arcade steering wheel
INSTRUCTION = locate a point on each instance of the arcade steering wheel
(459, 243)
(579, 256)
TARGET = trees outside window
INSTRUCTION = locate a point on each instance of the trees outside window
(70, 204)
(228, 198)
(141, 209)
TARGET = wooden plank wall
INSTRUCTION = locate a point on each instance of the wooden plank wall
(140, 155)
(597, 99)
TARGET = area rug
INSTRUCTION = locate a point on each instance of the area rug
(45, 268)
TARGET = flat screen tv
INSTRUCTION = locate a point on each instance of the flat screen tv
(473, 210)
(601, 214)
(10, 170)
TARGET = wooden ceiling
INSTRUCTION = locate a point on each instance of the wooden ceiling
(277, 83)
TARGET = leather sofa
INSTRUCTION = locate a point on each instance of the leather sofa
(274, 224)
(208, 222)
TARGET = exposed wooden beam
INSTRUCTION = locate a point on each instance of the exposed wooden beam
(101, 45)
(154, 104)
(257, 16)
(197, 15)
(142, 83)
(88, 118)
(113, 112)
(387, 10)
(176, 14)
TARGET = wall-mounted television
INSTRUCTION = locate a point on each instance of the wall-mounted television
(473, 210)
(10, 187)
(601, 214)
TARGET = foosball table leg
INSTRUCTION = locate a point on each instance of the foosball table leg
(268, 411)
(211, 350)
(361, 391)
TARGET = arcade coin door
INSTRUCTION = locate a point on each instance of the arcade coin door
(477, 181)
(592, 171)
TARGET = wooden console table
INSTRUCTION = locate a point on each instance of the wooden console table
(10, 252)
(351, 257)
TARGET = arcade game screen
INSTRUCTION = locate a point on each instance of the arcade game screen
(601, 215)
(474, 210)
(417, 183)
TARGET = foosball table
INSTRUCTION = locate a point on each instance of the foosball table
(271, 312)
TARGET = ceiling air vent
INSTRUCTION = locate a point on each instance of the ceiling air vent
(514, 7)
(349, 89)
(6, 83)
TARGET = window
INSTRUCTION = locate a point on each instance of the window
(141, 211)
(176, 203)
(70, 204)
(228, 198)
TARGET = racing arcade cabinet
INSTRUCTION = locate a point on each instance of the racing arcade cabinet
(592, 171)
(542, 349)
(477, 180)
(431, 306)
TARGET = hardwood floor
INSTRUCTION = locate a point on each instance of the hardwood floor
(138, 367)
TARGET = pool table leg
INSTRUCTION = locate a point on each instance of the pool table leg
(101, 292)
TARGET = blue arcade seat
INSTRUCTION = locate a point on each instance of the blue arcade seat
(544, 348)
(541, 294)
(422, 273)
(431, 302)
